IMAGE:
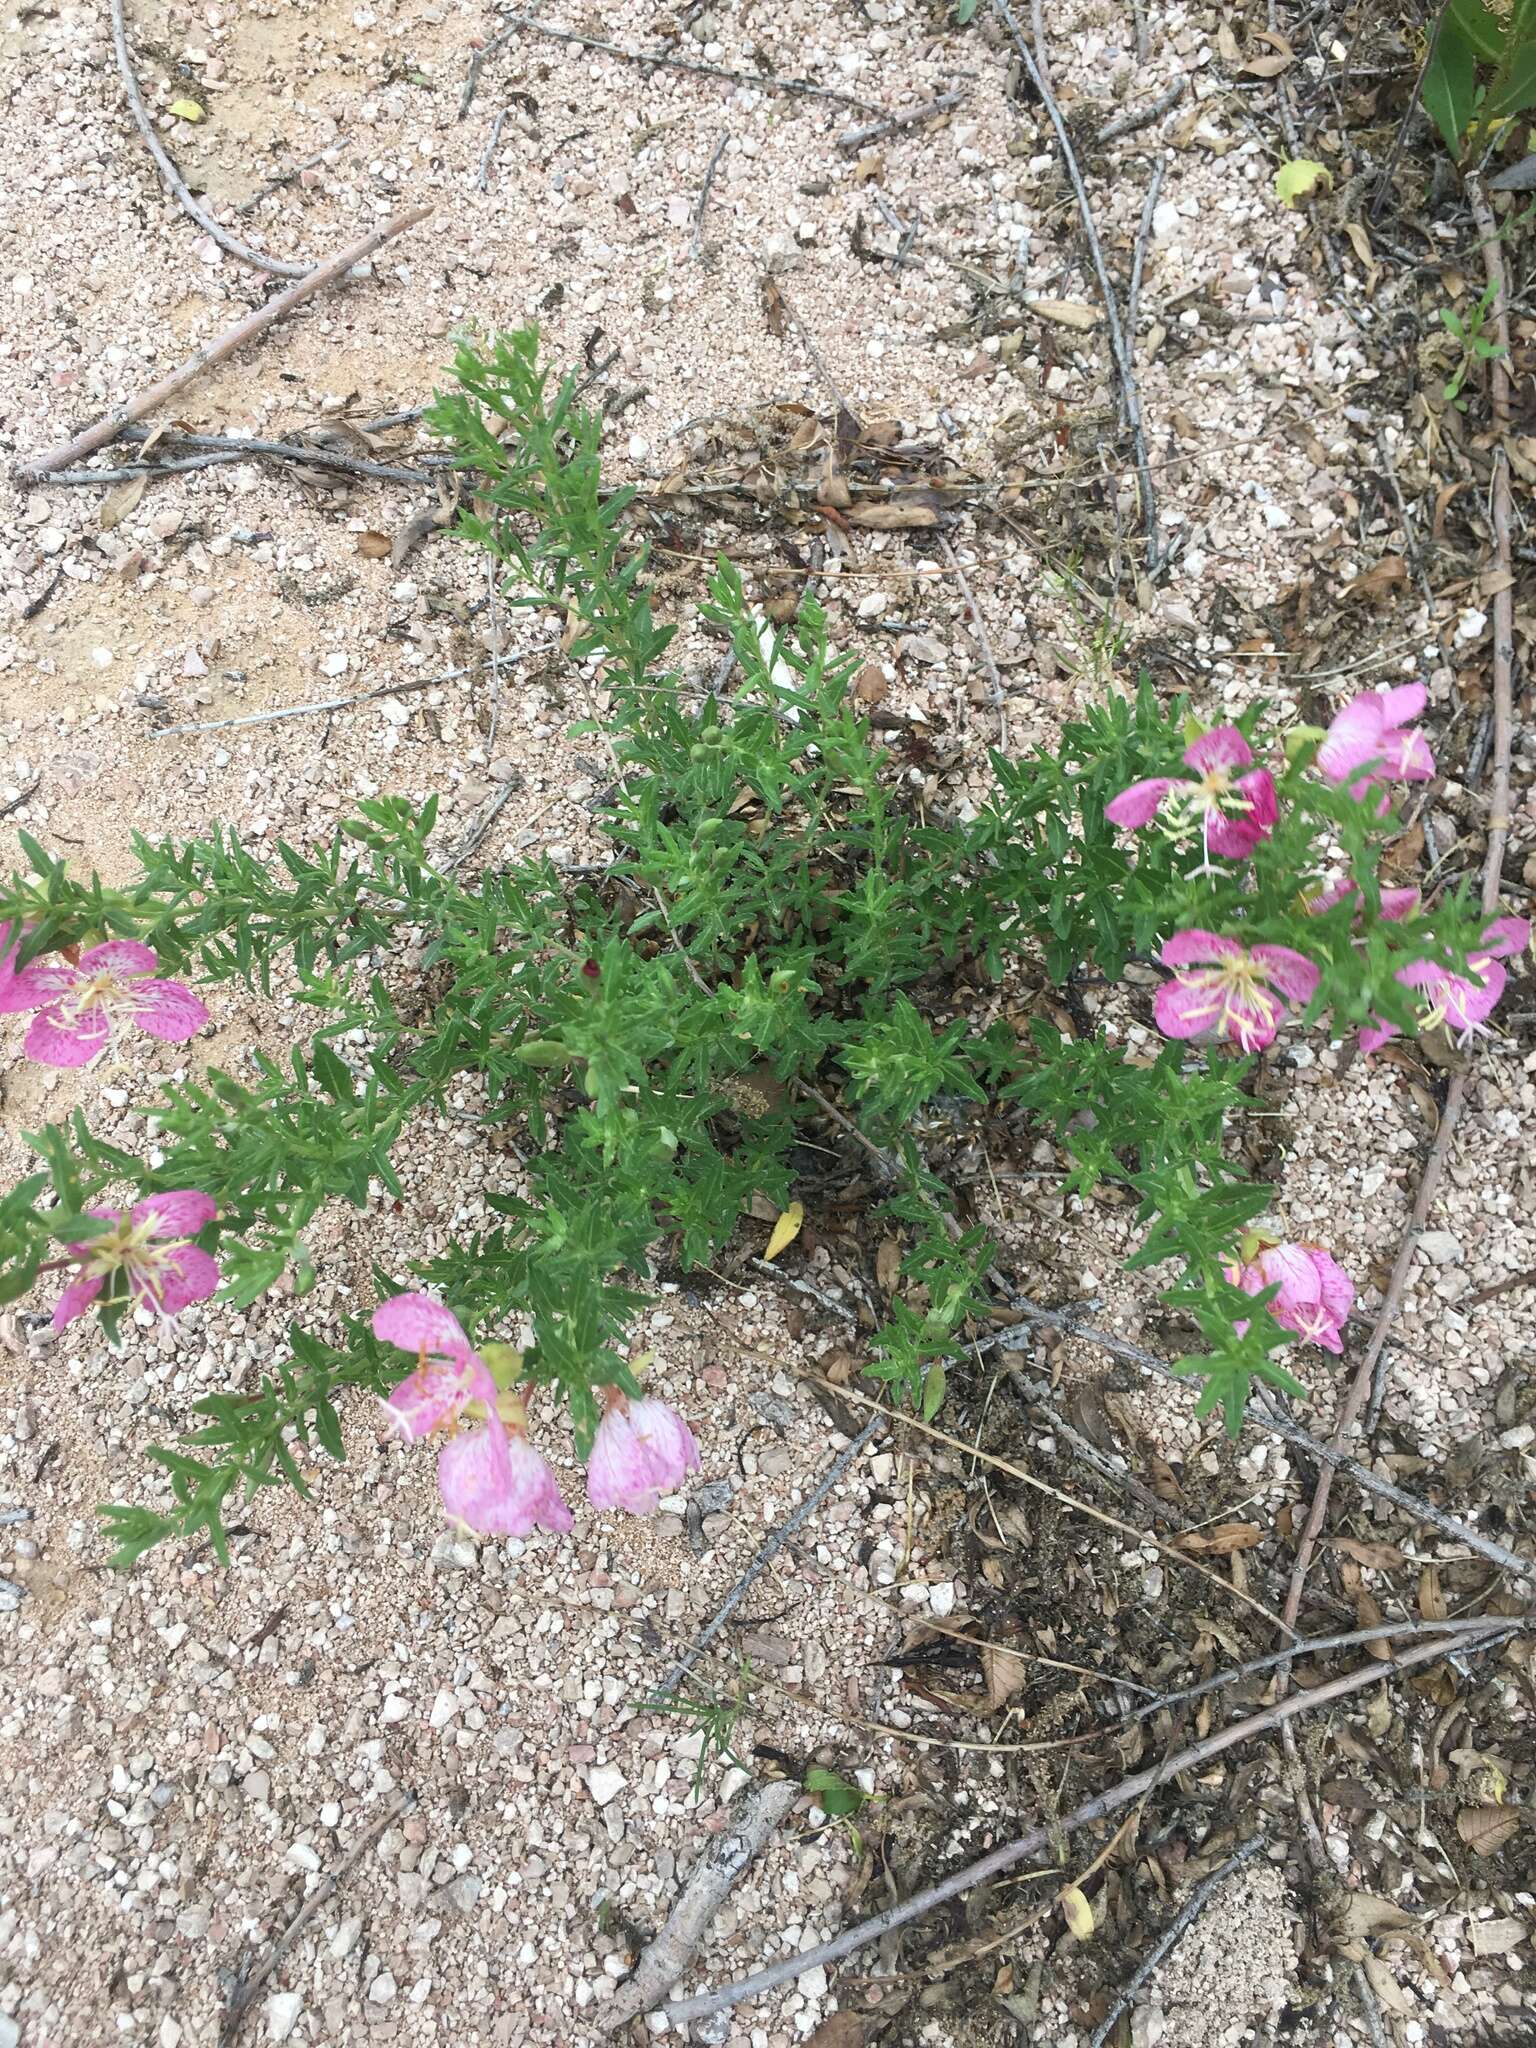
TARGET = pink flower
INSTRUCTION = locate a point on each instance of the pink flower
(1233, 814)
(148, 1247)
(81, 1009)
(1372, 734)
(1228, 990)
(1316, 1294)
(1396, 904)
(641, 1451)
(491, 1478)
(11, 937)
(1464, 1002)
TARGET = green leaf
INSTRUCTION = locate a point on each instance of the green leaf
(836, 1797)
(1449, 90)
(186, 110)
(1299, 179)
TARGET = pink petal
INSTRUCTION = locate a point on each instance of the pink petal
(1507, 935)
(414, 1320)
(1374, 1036)
(57, 1044)
(1252, 1021)
(1194, 948)
(668, 1439)
(1399, 903)
(37, 986)
(1231, 838)
(1407, 758)
(1138, 805)
(499, 1486)
(182, 1214)
(1290, 1268)
(1185, 1009)
(1335, 1285)
(430, 1397)
(77, 1298)
(1354, 737)
(184, 1276)
(1292, 973)
(1404, 703)
(620, 1471)
(1472, 1002)
(120, 956)
(1223, 747)
(1337, 891)
(1236, 836)
(165, 1009)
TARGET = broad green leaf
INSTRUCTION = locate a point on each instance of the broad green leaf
(1449, 91)
(1299, 179)
(186, 110)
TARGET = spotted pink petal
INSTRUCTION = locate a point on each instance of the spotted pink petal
(1290, 972)
(77, 1298)
(57, 1044)
(1139, 804)
(1252, 1021)
(126, 957)
(432, 1396)
(168, 1010)
(668, 1439)
(620, 1471)
(1338, 1290)
(184, 1276)
(1290, 1268)
(1399, 903)
(411, 1320)
(1186, 1009)
(37, 986)
(1234, 838)
(1507, 935)
(1406, 701)
(1222, 747)
(181, 1214)
(1196, 948)
(499, 1485)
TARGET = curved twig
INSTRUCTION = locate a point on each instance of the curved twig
(1193, 1907)
(173, 178)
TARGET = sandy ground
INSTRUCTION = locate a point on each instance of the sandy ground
(185, 1751)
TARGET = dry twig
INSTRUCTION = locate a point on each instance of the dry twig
(1188, 1914)
(757, 1812)
(243, 1995)
(168, 732)
(696, 246)
(1134, 119)
(1126, 1793)
(995, 694)
(1125, 369)
(215, 351)
(853, 139)
(232, 244)
(671, 63)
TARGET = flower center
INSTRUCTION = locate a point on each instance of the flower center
(130, 1248)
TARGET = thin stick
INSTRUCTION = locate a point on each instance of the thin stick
(761, 1810)
(493, 627)
(1189, 1913)
(696, 246)
(1124, 368)
(168, 732)
(482, 175)
(276, 184)
(1067, 1500)
(215, 351)
(1143, 242)
(1098, 1808)
(173, 178)
(1273, 1424)
(1042, 57)
(1504, 600)
(671, 63)
(769, 1552)
(477, 63)
(995, 696)
(853, 139)
(1134, 119)
(243, 1995)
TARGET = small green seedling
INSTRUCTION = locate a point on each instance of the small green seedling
(1475, 345)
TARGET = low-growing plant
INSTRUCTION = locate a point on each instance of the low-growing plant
(782, 920)
(1481, 70)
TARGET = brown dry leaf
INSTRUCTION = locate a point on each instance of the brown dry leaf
(888, 1264)
(1067, 313)
(119, 502)
(870, 686)
(773, 307)
(1360, 241)
(1266, 67)
(1485, 1829)
(1368, 1614)
(1376, 1557)
(1443, 499)
(891, 515)
(1382, 577)
(1498, 1937)
(1378, 1713)
(1220, 1541)
(839, 2030)
(1432, 1605)
(1404, 853)
(1385, 1985)
(373, 546)
(1004, 1671)
(1165, 1481)
(839, 1366)
(1226, 45)
(1364, 1914)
